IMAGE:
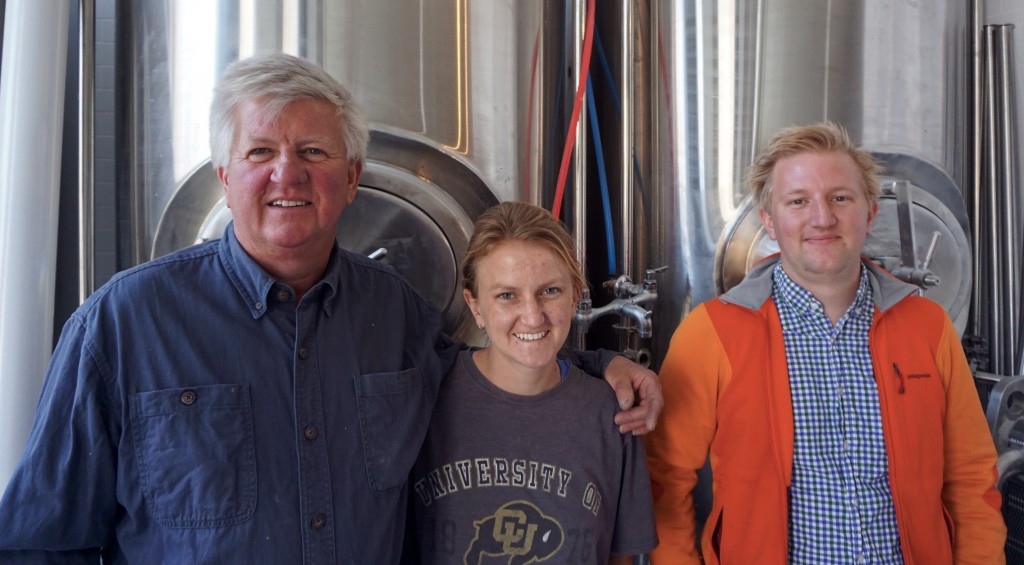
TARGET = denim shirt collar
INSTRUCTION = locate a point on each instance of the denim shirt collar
(254, 284)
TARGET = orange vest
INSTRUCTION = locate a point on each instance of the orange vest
(727, 395)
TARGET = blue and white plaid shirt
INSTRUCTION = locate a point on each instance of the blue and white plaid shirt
(840, 508)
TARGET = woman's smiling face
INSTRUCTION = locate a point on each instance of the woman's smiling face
(525, 300)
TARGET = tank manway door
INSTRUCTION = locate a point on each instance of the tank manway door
(402, 216)
(920, 235)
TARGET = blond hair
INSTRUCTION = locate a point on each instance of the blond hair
(822, 137)
(519, 221)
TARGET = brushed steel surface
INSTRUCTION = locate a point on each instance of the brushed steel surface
(695, 184)
(475, 83)
(491, 84)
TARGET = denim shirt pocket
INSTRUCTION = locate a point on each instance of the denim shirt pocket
(394, 412)
(196, 454)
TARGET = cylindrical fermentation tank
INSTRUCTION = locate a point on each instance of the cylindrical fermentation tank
(729, 74)
(470, 100)
(462, 97)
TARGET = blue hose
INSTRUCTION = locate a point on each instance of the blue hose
(603, 176)
(607, 71)
(617, 104)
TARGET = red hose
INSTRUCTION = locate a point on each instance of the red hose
(588, 42)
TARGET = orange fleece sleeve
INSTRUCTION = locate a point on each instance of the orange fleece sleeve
(692, 375)
(969, 483)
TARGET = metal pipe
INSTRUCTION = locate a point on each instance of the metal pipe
(632, 304)
(1006, 158)
(996, 309)
(32, 78)
(579, 210)
(626, 240)
(86, 146)
(311, 31)
(626, 155)
(973, 177)
(134, 244)
(756, 112)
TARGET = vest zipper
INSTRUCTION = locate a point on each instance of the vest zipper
(899, 376)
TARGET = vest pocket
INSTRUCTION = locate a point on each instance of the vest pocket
(196, 454)
(394, 412)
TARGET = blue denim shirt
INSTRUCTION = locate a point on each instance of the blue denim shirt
(193, 413)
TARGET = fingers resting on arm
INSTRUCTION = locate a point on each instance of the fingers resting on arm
(631, 381)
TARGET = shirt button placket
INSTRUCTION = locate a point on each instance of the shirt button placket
(316, 497)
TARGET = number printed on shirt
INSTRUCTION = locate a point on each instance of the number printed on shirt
(441, 536)
(580, 546)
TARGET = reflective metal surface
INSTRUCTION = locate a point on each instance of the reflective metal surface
(491, 84)
(702, 107)
(475, 83)
(973, 160)
(453, 71)
(86, 140)
(731, 74)
(1000, 211)
(893, 73)
(31, 126)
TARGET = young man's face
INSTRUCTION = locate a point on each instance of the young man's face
(820, 216)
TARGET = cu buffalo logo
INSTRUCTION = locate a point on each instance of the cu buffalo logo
(518, 531)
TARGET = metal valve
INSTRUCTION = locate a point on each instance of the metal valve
(632, 301)
(909, 269)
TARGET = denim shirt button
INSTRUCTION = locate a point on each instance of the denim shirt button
(188, 398)
(318, 521)
(310, 432)
(303, 353)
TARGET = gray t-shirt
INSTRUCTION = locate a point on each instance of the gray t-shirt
(512, 479)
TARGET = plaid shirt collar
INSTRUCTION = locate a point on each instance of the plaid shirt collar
(798, 300)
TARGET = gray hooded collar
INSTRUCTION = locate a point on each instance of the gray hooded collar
(756, 287)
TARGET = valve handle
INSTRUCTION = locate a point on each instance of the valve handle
(905, 215)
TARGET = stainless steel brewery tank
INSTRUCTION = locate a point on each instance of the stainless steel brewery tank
(892, 72)
(731, 73)
(484, 88)
(461, 97)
